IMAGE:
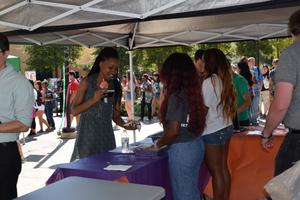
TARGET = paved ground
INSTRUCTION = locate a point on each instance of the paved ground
(44, 152)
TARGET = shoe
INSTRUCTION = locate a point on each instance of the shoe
(49, 129)
(41, 131)
(31, 134)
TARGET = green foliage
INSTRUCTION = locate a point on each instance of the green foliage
(279, 44)
(49, 57)
(268, 49)
(148, 60)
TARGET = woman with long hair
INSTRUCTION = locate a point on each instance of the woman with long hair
(182, 114)
(219, 98)
(40, 106)
(264, 100)
(243, 70)
(98, 100)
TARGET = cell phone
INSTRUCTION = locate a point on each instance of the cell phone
(110, 93)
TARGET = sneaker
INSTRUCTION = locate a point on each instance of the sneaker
(31, 134)
(50, 129)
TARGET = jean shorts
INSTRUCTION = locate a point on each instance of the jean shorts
(219, 137)
(128, 96)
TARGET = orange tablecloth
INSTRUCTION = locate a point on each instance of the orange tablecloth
(251, 166)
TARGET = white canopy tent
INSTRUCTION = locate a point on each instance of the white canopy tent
(149, 23)
(136, 24)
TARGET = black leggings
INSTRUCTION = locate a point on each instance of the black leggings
(33, 125)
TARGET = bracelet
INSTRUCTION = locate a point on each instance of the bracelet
(264, 137)
(155, 145)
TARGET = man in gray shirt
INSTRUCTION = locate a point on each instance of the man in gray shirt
(286, 104)
(16, 97)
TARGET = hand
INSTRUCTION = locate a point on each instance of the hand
(99, 94)
(153, 147)
(267, 143)
(131, 126)
(103, 84)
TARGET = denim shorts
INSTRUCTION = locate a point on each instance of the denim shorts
(219, 137)
(128, 96)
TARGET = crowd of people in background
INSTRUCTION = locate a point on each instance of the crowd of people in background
(254, 86)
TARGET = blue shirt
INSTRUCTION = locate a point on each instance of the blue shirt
(257, 78)
(16, 97)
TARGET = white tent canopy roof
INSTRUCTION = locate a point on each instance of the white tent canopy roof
(150, 23)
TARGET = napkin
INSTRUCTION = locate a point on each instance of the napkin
(117, 167)
(254, 132)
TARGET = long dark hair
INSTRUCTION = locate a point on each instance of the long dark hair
(215, 62)
(178, 73)
(107, 53)
(245, 72)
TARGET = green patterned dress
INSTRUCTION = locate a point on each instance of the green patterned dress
(95, 132)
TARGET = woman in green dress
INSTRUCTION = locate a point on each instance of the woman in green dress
(98, 101)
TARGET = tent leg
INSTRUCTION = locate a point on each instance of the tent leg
(131, 89)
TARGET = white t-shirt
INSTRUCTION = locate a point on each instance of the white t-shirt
(212, 96)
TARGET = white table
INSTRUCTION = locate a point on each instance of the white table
(79, 188)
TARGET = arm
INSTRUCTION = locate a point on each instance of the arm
(271, 89)
(23, 103)
(119, 121)
(13, 127)
(117, 114)
(43, 98)
(73, 96)
(170, 133)
(78, 106)
(260, 85)
(246, 104)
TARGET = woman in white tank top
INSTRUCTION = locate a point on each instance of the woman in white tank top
(219, 98)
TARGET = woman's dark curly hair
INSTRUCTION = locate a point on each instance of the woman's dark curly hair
(177, 74)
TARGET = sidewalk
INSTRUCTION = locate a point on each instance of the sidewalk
(44, 152)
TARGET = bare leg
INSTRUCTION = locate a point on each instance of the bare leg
(154, 106)
(214, 157)
(227, 177)
(41, 119)
(39, 114)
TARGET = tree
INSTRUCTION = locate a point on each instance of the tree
(279, 44)
(149, 60)
(50, 57)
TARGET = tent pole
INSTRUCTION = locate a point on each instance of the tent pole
(257, 52)
(131, 90)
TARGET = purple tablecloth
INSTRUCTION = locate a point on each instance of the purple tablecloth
(148, 168)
